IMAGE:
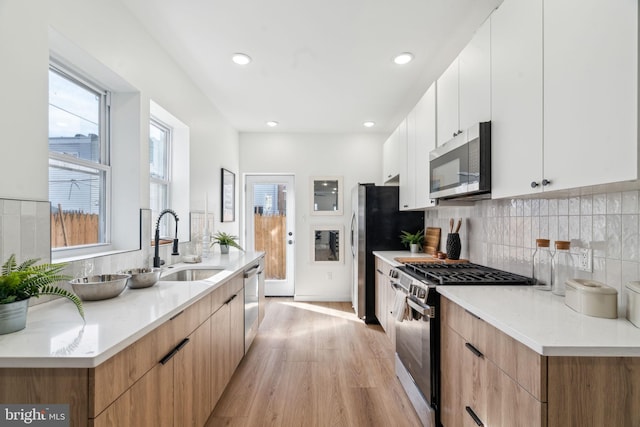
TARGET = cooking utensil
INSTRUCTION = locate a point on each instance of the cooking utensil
(103, 286)
(458, 225)
(451, 225)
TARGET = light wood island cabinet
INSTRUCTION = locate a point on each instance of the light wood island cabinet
(172, 376)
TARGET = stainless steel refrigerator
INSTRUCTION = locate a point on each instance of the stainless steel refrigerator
(376, 223)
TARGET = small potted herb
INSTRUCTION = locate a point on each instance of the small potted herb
(413, 241)
(19, 282)
(225, 240)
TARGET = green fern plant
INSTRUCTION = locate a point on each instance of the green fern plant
(23, 281)
(416, 238)
(223, 238)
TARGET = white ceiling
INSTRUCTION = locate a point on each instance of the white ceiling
(322, 66)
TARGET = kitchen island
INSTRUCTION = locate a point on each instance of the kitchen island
(155, 356)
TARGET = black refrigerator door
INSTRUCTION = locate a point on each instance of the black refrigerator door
(384, 223)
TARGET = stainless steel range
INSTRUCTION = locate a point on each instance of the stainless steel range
(417, 313)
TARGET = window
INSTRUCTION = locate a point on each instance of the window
(159, 165)
(79, 171)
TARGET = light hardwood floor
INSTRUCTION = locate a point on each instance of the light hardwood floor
(315, 364)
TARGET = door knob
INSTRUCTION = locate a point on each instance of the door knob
(290, 242)
(534, 184)
(290, 233)
(545, 182)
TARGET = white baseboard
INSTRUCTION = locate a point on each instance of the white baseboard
(322, 298)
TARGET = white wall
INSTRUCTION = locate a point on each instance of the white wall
(355, 157)
(107, 32)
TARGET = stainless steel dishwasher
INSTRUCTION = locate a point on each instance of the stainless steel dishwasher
(251, 301)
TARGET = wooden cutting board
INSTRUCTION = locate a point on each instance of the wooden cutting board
(431, 240)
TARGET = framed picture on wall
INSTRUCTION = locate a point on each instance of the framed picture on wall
(228, 202)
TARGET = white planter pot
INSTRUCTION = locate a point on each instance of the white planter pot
(414, 248)
(13, 316)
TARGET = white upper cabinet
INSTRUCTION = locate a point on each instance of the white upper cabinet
(425, 134)
(394, 153)
(590, 92)
(516, 96)
(390, 158)
(421, 139)
(447, 103)
(408, 176)
(475, 78)
(564, 94)
(464, 89)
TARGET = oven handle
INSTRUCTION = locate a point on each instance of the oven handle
(399, 287)
(427, 311)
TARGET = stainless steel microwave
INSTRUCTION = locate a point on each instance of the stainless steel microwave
(461, 168)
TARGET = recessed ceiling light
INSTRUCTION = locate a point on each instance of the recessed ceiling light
(241, 58)
(272, 124)
(403, 58)
(369, 124)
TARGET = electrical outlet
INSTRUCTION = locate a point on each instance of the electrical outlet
(584, 260)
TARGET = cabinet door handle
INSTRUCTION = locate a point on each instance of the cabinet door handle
(173, 352)
(545, 182)
(230, 299)
(473, 415)
(474, 350)
(534, 184)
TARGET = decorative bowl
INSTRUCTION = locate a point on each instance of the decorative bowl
(142, 277)
(99, 287)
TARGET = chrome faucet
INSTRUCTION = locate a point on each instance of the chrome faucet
(156, 259)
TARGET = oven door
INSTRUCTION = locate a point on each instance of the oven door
(414, 347)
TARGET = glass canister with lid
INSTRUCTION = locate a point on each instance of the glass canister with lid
(542, 265)
(563, 267)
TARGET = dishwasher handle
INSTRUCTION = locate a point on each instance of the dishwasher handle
(252, 271)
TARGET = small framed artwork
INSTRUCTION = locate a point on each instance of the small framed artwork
(327, 244)
(326, 194)
(228, 202)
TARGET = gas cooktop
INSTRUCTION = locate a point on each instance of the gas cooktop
(463, 274)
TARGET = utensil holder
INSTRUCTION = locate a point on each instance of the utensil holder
(453, 246)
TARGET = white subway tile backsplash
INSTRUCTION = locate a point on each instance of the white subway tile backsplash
(614, 239)
(553, 207)
(599, 204)
(630, 238)
(563, 227)
(630, 202)
(614, 203)
(586, 205)
(544, 207)
(563, 206)
(574, 206)
(586, 230)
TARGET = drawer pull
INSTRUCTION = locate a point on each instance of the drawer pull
(173, 352)
(473, 415)
(473, 350)
(472, 315)
(230, 299)
(178, 314)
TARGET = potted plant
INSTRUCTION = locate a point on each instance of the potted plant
(20, 282)
(412, 240)
(225, 240)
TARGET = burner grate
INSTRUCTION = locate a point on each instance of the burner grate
(464, 274)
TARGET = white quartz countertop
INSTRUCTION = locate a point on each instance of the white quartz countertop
(541, 320)
(56, 336)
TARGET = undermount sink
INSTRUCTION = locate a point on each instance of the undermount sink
(191, 274)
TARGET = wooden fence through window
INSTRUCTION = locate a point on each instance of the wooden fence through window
(270, 237)
(73, 228)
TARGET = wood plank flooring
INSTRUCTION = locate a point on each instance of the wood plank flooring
(315, 364)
